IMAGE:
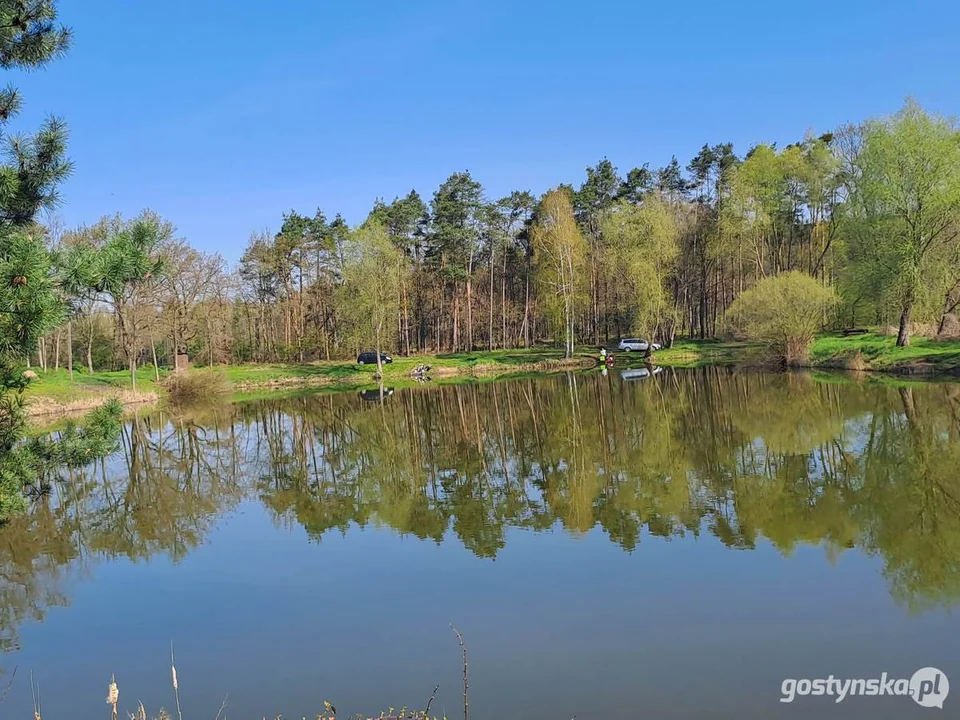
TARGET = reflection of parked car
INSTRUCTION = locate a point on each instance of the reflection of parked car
(639, 373)
(375, 395)
(370, 358)
(636, 345)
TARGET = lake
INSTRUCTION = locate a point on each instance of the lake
(667, 545)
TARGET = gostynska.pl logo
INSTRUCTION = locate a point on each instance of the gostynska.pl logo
(928, 687)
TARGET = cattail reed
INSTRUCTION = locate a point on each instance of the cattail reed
(113, 695)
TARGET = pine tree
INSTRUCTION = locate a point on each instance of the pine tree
(31, 301)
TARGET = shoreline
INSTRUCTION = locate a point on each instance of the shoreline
(48, 402)
(870, 352)
(53, 397)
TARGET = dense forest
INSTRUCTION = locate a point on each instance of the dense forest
(870, 211)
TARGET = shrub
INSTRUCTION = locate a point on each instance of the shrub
(784, 312)
(195, 385)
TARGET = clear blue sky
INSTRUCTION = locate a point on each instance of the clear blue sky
(223, 115)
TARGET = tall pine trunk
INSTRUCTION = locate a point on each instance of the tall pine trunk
(470, 304)
(503, 300)
(490, 309)
(526, 307)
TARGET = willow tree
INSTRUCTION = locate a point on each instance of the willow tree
(784, 311)
(373, 272)
(904, 206)
(559, 255)
(644, 240)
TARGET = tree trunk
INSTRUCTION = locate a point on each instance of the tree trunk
(490, 309)
(156, 368)
(456, 323)
(503, 300)
(209, 342)
(379, 359)
(526, 308)
(90, 349)
(903, 336)
(70, 348)
(470, 307)
(406, 319)
(594, 291)
(948, 307)
(702, 309)
(568, 307)
(301, 325)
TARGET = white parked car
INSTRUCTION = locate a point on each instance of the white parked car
(639, 373)
(635, 345)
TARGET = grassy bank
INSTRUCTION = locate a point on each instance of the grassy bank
(868, 352)
(55, 393)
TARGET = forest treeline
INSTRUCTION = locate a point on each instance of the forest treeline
(870, 210)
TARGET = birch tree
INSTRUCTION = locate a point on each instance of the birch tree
(559, 254)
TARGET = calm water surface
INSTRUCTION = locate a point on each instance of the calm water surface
(669, 546)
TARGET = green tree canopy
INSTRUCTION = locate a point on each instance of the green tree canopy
(31, 299)
(904, 208)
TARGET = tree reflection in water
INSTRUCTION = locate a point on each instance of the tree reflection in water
(739, 455)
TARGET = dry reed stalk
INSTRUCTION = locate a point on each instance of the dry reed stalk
(466, 683)
(46, 408)
(13, 676)
(222, 706)
(35, 692)
(176, 685)
(113, 695)
(433, 697)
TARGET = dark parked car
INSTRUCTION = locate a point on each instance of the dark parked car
(376, 395)
(370, 358)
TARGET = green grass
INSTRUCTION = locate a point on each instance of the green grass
(700, 353)
(57, 385)
(259, 380)
(881, 352)
(348, 372)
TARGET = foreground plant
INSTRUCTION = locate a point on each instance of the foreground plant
(31, 290)
(329, 710)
